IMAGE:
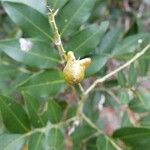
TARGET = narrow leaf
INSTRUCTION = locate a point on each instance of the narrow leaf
(56, 139)
(11, 141)
(135, 137)
(124, 97)
(143, 66)
(34, 53)
(132, 75)
(14, 116)
(121, 79)
(75, 13)
(43, 83)
(36, 142)
(129, 44)
(86, 40)
(56, 4)
(53, 112)
(109, 40)
(103, 143)
(33, 110)
(140, 103)
(38, 4)
(33, 23)
(98, 61)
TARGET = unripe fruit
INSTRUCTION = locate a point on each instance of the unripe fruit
(74, 69)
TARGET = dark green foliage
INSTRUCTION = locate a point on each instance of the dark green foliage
(39, 110)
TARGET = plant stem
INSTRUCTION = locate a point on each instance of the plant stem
(99, 131)
(113, 143)
(101, 80)
(57, 38)
(91, 123)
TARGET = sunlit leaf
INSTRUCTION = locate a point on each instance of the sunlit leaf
(31, 52)
(38, 4)
(11, 141)
(33, 23)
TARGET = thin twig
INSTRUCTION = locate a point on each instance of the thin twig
(81, 88)
(101, 80)
(99, 131)
(113, 143)
(56, 39)
(91, 123)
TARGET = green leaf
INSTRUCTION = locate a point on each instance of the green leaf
(90, 144)
(36, 142)
(125, 122)
(38, 54)
(53, 112)
(86, 40)
(135, 137)
(75, 13)
(81, 133)
(124, 97)
(92, 104)
(145, 121)
(133, 29)
(14, 116)
(56, 4)
(121, 79)
(56, 139)
(7, 74)
(128, 45)
(140, 103)
(143, 66)
(11, 141)
(38, 4)
(109, 40)
(43, 83)
(98, 61)
(104, 144)
(7, 71)
(132, 75)
(33, 105)
(33, 23)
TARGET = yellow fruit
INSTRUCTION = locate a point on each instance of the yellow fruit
(74, 69)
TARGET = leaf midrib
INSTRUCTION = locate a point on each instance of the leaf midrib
(33, 108)
(48, 36)
(87, 39)
(35, 54)
(22, 125)
(65, 27)
(46, 84)
(134, 135)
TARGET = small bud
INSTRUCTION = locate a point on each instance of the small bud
(75, 69)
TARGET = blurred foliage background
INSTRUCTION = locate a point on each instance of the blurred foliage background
(38, 108)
